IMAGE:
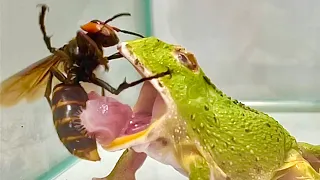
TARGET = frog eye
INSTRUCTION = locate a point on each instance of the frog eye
(183, 59)
(188, 60)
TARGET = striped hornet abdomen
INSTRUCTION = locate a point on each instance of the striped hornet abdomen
(67, 102)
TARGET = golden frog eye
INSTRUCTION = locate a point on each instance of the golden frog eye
(188, 60)
(183, 59)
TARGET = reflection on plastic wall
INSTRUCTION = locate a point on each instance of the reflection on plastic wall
(29, 143)
(251, 49)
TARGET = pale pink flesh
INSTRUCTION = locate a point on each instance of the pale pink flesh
(106, 118)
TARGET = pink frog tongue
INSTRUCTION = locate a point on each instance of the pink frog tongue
(141, 120)
(105, 117)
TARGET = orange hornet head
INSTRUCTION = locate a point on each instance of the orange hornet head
(93, 26)
(103, 33)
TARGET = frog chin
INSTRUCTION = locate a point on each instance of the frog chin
(154, 105)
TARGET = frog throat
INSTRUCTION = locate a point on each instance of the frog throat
(154, 99)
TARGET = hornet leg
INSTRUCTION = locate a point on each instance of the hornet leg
(102, 92)
(47, 93)
(114, 56)
(58, 74)
(46, 38)
(124, 85)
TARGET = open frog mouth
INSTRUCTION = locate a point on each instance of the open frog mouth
(152, 106)
(115, 125)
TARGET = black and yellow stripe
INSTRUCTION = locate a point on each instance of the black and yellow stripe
(67, 102)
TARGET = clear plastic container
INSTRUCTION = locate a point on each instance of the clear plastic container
(30, 147)
(263, 53)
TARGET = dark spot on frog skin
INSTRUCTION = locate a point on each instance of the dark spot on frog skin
(247, 130)
(227, 145)
(163, 141)
(206, 108)
(233, 139)
(215, 119)
(136, 62)
(267, 124)
(240, 170)
(160, 84)
(258, 169)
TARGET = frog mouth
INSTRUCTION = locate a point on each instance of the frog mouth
(149, 111)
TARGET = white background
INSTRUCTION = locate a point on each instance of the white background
(251, 49)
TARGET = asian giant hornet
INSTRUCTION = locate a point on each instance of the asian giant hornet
(77, 59)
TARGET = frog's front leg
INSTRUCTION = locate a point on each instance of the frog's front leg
(296, 168)
(199, 169)
(127, 166)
